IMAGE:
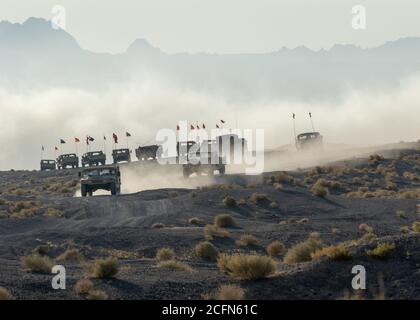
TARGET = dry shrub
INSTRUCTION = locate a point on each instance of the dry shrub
(173, 194)
(276, 248)
(164, 254)
(401, 214)
(5, 294)
(335, 231)
(83, 286)
(42, 249)
(258, 197)
(247, 240)
(105, 268)
(37, 263)
(302, 251)
(24, 213)
(405, 230)
(212, 231)
(365, 228)
(382, 250)
(251, 185)
(157, 225)
(97, 295)
(335, 253)
(174, 265)
(278, 186)
(52, 212)
(368, 237)
(230, 292)
(319, 190)
(194, 221)
(273, 205)
(229, 201)
(247, 266)
(70, 255)
(416, 226)
(224, 220)
(3, 214)
(206, 251)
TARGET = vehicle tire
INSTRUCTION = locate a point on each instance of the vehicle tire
(90, 193)
(83, 191)
(113, 189)
(222, 170)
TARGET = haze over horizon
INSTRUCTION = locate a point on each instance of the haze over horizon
(51, 88)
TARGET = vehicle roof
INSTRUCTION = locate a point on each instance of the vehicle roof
(49, 160)
(116, 150)
(308, 133)
(101, 168)
(67, 154)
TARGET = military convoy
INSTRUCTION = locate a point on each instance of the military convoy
(47, 165)
(100, 178)
(67, 160)
(146, 153)
(121, 155)
(93, 158)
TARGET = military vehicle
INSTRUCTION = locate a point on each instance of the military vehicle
(100, 178)
(93, 158)
(145, 153)
(199, 159)
(47, 165)
(67, 160)
(309, 140)
(120, 155)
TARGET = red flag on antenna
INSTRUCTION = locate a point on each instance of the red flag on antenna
(177, 127)
(222, 121)
(128, 134)
(76, 140)
(293, 115)
(198, 127)
(217, 126)
(192, 127)
(204, 126)
(115, 137)
(56, 149)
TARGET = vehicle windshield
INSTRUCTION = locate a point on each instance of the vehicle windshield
(99, 172)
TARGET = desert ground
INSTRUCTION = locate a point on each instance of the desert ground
(323, 219)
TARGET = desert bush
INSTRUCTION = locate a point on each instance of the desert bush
(368, 237)
(251, 185)
(5, 294)
(173, 194)
(416, 226)
(401, 214)
(157, 225)
(303, 220)
(319, 190)
(37, 263)
(97, 295)
(229, 201)
(405, 230)
(273, 205)
(275, 248)
(70, 255)
(382, 250)
(224, 220)
(83, 286)
(335, 231)
(278, 186)
(105, 268)
(3, 214)
(335, 253)
(165, 254)
(258, 197)
(174, 265)
(206, 251)
(194, 221)
(247, 240)
(302, 251)
(230, 292)
(247, 266)
(212, 231)
(52, 212)
(365, 228)
(42, 249)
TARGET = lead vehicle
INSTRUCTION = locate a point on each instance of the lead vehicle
(100, 178)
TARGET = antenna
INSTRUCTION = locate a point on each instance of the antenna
(312, 123)
(294, 127)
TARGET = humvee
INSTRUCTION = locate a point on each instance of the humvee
(148, 152)
(47, 165)
(93, 158)
(67, 160)
(119, 155)
(308, 140)
(205, 160)
(100, 178)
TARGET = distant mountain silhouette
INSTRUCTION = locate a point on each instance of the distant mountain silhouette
(34, 55)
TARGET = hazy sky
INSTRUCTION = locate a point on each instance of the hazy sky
(223, 26)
